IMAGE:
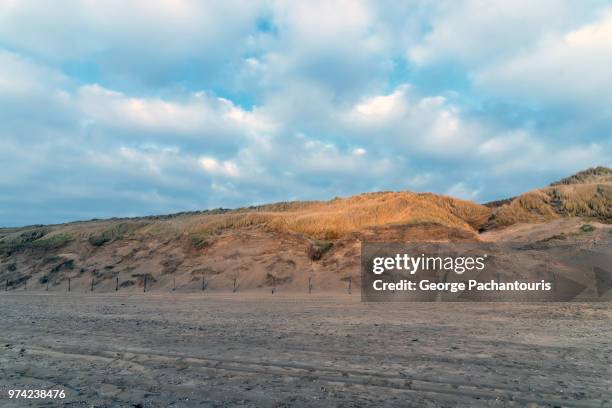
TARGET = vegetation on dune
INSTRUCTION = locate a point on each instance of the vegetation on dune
(594, 174)
(282, 206)
(333, 219)
(316, 233)
(318, 249)
(50, 242)
(336, 218)
(113, 233)
(201, 239)
(591, 200)
(529, 207)
(585, 194)
(98, 240)
(587, 228)
(32, 235)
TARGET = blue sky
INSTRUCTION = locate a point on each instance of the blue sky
(125, 108)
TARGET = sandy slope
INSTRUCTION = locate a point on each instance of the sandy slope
(257, 259)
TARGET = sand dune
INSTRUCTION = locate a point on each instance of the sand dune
(288, 245)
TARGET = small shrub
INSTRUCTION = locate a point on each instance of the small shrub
(115, 232)
(98, 240)
(201, 239)
(587, 228)
(318, 249)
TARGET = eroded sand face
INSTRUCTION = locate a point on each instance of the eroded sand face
(170, 349)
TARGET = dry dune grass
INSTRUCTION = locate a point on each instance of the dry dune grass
(592, 200)
(327, 220)
(533, 206)
(586, 200)
(600, 174)
(333, 219)
(586, 194)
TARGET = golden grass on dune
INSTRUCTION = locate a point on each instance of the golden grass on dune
(599, 174)
(533, 206)
(319, 220)
(569, 200)
(585, 194)
(586, 200)
(335, 218)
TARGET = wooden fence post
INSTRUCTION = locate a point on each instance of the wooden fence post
(117, 284)
(144, 289)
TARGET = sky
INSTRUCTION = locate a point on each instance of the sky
(136, 107)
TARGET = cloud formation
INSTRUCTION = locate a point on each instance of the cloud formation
(132, 108)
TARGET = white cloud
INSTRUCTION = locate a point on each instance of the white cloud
(537, 157)
(571, 68)
(507, 143)
(138, 40)
(545, 54)
(216, 167)
(164, 26)
(319, 24)
(150, 114)
(206, 122)
(481, 32)
(21, 77)
(335, 45)
(413, 124)
(382, 107)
